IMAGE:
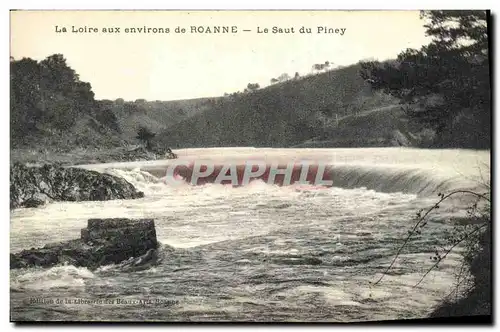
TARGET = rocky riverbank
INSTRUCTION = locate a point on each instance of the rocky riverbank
(104, 241)
(32, 186)
(84, 156)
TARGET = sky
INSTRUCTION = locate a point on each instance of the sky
(172, 66)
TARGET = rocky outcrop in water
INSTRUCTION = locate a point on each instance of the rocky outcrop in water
(34, 186)
(138, 153)
(103, 242)
(143, 153)
(123, 154)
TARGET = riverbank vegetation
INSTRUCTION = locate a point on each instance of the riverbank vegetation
(471, 237)
(53, 113)
(437, 96)
(446, 86)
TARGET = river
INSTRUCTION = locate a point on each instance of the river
(260, 252)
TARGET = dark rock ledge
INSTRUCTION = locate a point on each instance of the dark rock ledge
(104, 241)
(34, 186)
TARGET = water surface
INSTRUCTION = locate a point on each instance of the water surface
(259, 252)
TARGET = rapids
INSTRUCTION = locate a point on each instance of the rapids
(260, 252)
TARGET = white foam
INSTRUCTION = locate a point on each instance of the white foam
(408, 170)
(67, 276)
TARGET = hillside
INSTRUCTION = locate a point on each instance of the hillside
(323, 107)
(53, 110)
(50, 107)
(155, 115)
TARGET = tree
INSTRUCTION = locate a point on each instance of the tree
(108, 118)
(297, 75)
(252, 87)
(321, 66)
(56, 75)
(283, 77)
(274, 80)
(25, 112)
(145, 136)
(444, 81)
(46, 95)
(318, 67)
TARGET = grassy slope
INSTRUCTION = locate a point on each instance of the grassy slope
(90, 141)
(380, 126)
(294, 112)
(158, 115)
(87, 132)
(332, 109)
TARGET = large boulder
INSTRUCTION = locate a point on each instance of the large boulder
(399, 139)
(33, 186)
(103, 242)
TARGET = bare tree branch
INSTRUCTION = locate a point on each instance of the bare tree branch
(421, 219)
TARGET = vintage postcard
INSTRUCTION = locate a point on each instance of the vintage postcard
(250, 166)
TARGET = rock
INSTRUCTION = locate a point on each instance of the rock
(32, 185)
(33, 203)
(139, 153)
(104, 241)
(143, 262)
(170, 155)
(121, 239)
(399, 139)
(136, 153)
